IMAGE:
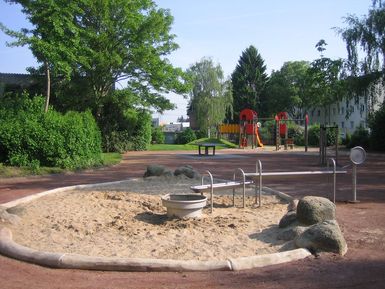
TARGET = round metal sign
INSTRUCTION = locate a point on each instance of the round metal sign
(357, 155)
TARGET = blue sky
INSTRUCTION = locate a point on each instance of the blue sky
(281, 30)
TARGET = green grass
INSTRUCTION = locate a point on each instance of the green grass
(108, 159)
(172, 147)
(192, 145)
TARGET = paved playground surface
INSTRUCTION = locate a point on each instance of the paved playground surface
(362, 224)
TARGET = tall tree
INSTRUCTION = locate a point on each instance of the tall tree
(211, 95)
(249, 81)
(128, 41)
(104, 42)
(53, 39)
(325, 80)
(287, 89)
(366, 34)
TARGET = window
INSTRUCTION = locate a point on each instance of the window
(351, 108)
(352, 124)
(342, 124)
(319, 112)
(342, 110)
(334, 111)
(362, 108)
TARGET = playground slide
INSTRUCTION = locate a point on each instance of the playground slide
(259, 140)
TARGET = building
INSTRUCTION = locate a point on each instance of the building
(14, 82)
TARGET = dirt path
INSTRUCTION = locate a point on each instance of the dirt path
(363, 226)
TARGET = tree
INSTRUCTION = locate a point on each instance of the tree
(105, 42)
(366, 34)
(54, 39)
(287, 89)
(128, 41)
(249, 80)
(210, 96)
(325, 81)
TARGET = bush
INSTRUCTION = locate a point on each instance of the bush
(142, 137)
(314, 135)
(157, 135)
(186, 136)
(296, 132)
(360, 137)
(376, 124)
(30, 137)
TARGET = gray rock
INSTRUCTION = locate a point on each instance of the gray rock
(312, 210)
(291, 233)
(188, 171)
(292, 205)
(325, 236)
(7, 218)
(157, 170)
(288, 219)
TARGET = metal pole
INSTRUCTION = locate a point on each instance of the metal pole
(334, 179)
(260, 183)
(354, 183)
(211, 191)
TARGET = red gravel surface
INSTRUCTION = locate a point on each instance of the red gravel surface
(363, 225)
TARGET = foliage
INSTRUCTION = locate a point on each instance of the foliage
(157, 135)
(142, 136)
(314, 135)
(186, 136)
(364, 37)
(249, 81)
(53, 39)
(210, 96)
(28, 137)
(325, 80)
(360, 137)
(296, 132)
(286, 89)
(314, 132)
(105, 42)
(376, 124)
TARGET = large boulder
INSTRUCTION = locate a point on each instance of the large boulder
(288, 219)
(7, 218)
(312, 210)
(157, 171)
(187, 171)
(291, 233)
(325, 236)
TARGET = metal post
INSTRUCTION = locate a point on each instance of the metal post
(334, 178)
(244, 186)
(260, 184)
(306, 132)
(211, 191)
(354, 183)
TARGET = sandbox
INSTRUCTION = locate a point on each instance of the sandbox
(126, 221)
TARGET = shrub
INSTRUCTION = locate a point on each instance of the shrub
(376, 124)
(296, 132)
(186, 136)
(157, 135)
(30, 137)
(360, 137)
(142, 137)
(314, 135)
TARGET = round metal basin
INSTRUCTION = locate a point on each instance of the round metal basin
(184, 205)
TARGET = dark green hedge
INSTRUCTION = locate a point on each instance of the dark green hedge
(29, 137)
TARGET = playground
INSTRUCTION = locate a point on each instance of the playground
(361, 223)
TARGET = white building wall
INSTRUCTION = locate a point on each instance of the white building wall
(347, 115)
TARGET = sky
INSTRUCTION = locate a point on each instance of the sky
(281, 30)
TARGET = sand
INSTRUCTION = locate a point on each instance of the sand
(128, 220)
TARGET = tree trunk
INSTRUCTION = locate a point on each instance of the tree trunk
(48, 86)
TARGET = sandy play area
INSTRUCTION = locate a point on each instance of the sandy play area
(128, 220)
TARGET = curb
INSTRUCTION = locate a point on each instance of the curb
(75, 261)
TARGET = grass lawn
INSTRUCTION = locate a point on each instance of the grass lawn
(108, 159)
(192, 145)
